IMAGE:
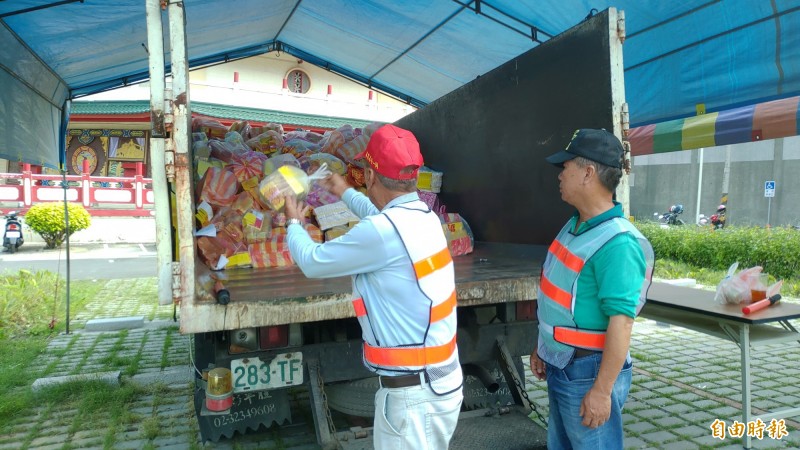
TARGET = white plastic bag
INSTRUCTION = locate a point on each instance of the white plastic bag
(738, 288)
(288, 180)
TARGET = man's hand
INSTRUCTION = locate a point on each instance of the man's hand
(335, 183)
(537, 366)
(295, 209)
(595, 408)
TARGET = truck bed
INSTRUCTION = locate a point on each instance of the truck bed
(493, 273)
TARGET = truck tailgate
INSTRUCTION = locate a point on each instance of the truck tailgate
(493, 273)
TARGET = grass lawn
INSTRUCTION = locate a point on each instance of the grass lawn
(32, 312)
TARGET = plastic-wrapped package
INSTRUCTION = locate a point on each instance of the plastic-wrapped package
(212, 128)
(257, 226)
(274, 163)
(242, 127)
(355, 176)
(224, 151)
(369, 129)
(288, 180)
(243, 202)
(268, 126)
(278, 220)
(319, 196)
(268, 142)
(299, 147)
(219, 187)
(334, 164)
(247, 165)
(460, 239)
(309, 136)
(429, 180)
(351, 148)
(332, 142)
(234, 137)
(347, 132)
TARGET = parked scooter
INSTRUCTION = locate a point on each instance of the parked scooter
(718, 219)
(12, 237)
(671, 217)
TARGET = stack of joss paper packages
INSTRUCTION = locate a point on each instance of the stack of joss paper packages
(242, 172)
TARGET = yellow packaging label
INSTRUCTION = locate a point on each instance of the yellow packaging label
(239, 259)
(202, 216)
(424, 180)
(455, 227)
(293, 182)
(250, 184)
(249, 219)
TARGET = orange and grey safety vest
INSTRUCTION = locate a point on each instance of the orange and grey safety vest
(559, 335)
(430, 309)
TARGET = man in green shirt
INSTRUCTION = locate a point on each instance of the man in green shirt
(594, 281)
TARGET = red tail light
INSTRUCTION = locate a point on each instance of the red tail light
(12, 226)
(526, 310)
(273, 337)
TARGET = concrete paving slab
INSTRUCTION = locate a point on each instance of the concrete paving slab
(114, 323)
(111, 378)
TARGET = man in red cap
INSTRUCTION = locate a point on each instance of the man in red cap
(403, 292)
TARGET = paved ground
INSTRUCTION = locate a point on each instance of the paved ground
(682, 382)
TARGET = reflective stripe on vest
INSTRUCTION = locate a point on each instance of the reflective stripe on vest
(575, 337)
(438, 312)
(559, 334)
(408, 357)
(421, 233)
(575, 263)
(431, 264)
(555, 293)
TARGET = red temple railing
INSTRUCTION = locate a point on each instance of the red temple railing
(101, 196)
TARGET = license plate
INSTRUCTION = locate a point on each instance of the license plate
(12, 234)
(253, 374)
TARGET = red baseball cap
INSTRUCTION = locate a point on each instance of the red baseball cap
(392, 149)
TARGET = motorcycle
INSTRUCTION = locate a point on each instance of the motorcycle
(671, 217)
(718, 219)
(12, 237)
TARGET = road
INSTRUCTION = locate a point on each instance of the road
(87, 262)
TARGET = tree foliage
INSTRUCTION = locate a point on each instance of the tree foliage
(47, 219)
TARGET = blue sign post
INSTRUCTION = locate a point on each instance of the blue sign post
(769, 192)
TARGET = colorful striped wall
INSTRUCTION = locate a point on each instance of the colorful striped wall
(770, 120)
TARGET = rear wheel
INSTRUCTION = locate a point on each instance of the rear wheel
(12, 248)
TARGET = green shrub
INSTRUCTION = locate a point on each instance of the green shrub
(777, 250)
(47, 219)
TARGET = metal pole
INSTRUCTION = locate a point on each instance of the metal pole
(769, 209)
(62, 140)
(180, 136)
(158, 133)
(66, 221)
(699, 187)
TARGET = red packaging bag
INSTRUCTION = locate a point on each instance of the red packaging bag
(459, 236)
(219, 187)
(247, 165)
(262, 255)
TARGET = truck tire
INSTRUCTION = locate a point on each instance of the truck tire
(356, 398)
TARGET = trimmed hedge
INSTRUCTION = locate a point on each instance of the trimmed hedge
(777, 250)
(48, 220)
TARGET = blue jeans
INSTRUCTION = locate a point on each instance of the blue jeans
(566, 389)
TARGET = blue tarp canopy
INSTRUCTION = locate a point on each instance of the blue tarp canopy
(680, 53)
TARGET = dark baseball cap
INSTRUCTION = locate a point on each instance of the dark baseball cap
(596, 145)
